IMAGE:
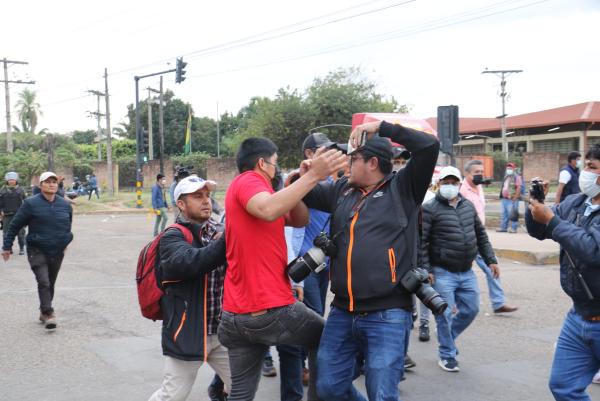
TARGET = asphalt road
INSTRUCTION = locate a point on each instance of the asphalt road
(104, 350)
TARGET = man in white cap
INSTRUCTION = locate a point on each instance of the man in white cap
(49, 219)
(191, 275)
(452, 237)
(12, 196)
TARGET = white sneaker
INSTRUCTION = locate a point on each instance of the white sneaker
(596, 378)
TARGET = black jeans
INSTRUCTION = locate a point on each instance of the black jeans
(248, 337)
(46, 270)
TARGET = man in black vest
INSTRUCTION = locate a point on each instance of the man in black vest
(568, 180)
(11, 198)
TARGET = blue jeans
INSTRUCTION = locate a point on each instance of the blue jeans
(381, 336)
(315, 291)
(507, 206)
(290, 368)
(494, 286)
(576, 359)
(459, 290)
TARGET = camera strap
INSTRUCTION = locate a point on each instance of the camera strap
(355, 208)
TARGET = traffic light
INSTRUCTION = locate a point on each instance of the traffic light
(447, 128)
(179, 70)
(144, 147)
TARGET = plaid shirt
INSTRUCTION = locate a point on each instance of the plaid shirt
(216, 278)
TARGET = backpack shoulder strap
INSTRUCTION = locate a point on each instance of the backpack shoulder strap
(187, 234)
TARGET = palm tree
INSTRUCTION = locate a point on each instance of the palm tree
(28, 110)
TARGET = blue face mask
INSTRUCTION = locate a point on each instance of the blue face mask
(449, 191)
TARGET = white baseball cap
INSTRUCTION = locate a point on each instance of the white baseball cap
(192, 184)
(47, 174)
(450, 171)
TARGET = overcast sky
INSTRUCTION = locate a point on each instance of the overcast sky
(425, 53)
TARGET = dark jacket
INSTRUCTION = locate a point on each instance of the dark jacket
(580, 236)
(377, 244)
(182, 272)
(11, 199)
(452, 237)
(49, 224)
(571, 187)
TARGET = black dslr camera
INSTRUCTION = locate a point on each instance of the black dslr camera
(417, 281)
(314, 259)
(182, 171)
(536, 190)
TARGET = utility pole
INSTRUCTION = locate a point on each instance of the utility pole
(138, 131)
(9, 139)
(161, 127)
(218, 133)
(502, 74)
(109, 165)
(98, 115)
(150, 141)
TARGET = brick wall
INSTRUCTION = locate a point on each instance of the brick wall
(152, 168)
(222, 170)
(101, 172)
(67, 173)
(546, 165)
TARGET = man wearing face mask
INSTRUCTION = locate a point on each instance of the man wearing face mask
(400, 157)
(568, 180)
(452, 237)
(575, 225)
(472, 190)
(159, 203)
(509, 197)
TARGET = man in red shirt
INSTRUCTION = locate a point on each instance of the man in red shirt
(259, 308)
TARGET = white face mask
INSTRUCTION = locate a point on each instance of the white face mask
(509, 171)
(449, 191)
(580, 164)
(588, 182)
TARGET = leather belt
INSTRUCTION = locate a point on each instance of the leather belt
(592, 319)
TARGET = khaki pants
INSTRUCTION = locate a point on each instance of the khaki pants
(179, 376)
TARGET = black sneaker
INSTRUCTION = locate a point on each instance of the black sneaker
(268, 370)
(449, 365)
(424, 332)
(215, 394)
(408, 362)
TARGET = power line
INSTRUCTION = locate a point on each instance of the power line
(429, 26)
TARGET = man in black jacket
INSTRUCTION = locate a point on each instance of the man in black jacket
(12, 196)
(192, 278)
(374, 228)
(452, 237)
(575, 225)
(49, 219)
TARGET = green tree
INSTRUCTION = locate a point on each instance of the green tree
(28, 110)
(84, 137)
(342, 93)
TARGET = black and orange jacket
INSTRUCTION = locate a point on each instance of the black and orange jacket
(183, 273)
(376, 233)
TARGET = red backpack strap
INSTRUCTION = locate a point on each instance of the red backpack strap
(187, 234)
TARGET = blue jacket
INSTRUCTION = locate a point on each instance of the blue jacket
(578, 235)
(49, 224)
(158, 200)
(571, 187)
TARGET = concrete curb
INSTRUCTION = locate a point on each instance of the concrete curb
(533, 258)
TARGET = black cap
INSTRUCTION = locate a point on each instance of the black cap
(400, 153)
(317, 140)
(378, 146)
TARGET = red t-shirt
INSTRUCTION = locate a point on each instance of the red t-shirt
(256, 277)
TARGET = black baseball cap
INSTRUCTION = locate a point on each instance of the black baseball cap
(378, 146)
(400, 153)
(317, 140)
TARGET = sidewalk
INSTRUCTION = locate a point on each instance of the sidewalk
(523, 248)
